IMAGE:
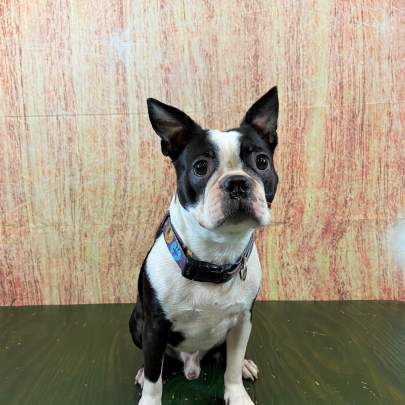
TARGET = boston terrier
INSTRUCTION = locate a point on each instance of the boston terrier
(199, 280)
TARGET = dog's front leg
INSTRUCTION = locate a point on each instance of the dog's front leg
(236, 342)
(154, 337)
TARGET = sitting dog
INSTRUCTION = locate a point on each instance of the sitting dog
(199, 280)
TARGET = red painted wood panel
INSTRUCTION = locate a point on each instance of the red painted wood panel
(82, 181)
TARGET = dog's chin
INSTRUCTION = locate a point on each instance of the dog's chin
(237, 214)
(239, 217)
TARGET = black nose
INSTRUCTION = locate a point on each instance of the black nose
(237, 186)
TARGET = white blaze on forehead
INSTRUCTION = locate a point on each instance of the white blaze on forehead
(228, 148)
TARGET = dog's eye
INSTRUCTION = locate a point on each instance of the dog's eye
(200, 167)
(262, 162)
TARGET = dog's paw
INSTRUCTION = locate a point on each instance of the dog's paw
(249, 370)
(236, 394)
(140, 377)
(150, 400)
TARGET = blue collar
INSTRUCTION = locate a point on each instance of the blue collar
(199, 270)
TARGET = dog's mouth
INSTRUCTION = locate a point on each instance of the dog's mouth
(238, 210)
(251, 212)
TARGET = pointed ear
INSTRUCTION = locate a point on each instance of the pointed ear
(172, 125)
(263, 115)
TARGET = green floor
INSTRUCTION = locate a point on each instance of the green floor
(308, 353)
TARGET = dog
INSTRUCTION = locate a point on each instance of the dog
(200, 279)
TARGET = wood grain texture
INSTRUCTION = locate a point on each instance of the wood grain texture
(307, 353)
(83, 184)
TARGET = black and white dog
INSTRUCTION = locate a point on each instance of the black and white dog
(200, 279)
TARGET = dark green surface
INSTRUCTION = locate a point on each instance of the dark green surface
(308, 353)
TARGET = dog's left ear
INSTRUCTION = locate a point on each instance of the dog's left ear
(173, 126)
(263, 115)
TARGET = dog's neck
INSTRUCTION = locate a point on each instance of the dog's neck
(220, 246)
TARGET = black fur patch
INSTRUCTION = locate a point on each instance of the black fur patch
(191, 187)
(253, 144)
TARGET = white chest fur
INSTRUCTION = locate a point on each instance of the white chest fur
(202, 312)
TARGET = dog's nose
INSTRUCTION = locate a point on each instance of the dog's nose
(237, 186)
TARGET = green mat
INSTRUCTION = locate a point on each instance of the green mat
(308, 353)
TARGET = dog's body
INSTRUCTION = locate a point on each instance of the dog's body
(225, 184)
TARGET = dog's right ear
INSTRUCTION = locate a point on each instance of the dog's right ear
(172, 125)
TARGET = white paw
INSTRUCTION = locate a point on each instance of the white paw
(235, 394)
(249, 370)
(140, 377)
(150, 400)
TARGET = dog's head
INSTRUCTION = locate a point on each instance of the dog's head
(224, 178)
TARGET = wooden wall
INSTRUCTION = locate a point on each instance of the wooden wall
(82, 181)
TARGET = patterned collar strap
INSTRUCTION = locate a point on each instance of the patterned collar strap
(199, 270)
